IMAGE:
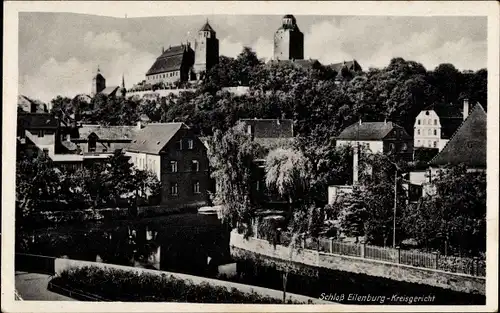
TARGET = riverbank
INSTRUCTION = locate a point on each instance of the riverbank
(259, 262)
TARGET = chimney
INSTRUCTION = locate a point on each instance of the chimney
(466, 108)
(355, 165)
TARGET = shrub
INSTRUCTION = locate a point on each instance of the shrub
(119, 285)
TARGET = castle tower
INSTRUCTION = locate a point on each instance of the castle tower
(98, 83)
(288, 40)
(206, 50)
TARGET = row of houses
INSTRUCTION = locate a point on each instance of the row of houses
(449, 136)
(178, 157)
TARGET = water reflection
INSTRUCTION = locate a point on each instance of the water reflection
(187, 243)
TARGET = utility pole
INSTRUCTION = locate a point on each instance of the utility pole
(395, 206)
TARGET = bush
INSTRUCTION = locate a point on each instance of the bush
(119, 285)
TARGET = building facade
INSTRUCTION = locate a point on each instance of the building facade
(288, 40)
(179, 159)
(378, 137)
(435, 125)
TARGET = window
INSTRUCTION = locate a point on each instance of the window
(429, 132)
(435, 122)
(92, 145)
(249, 129)
(196, 187)
(173, 166)
(258, 186)
(435, 132)
(195, 166)
(424, 121)
(430, 121)
(435, 144)
(178, 144)
(418, 142)
(429, 143)
(40, 133)
(190, 144)
(405, 147)
(391, 147)
(418, 131)
(418, 122)
(174, 189)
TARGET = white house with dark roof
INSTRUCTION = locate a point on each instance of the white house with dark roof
(466, 146)
(178, 158)
(435, 125)
(378, 137)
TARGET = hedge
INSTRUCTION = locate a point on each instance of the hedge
(119, 285)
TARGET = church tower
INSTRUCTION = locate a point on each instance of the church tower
(288, 40)
(206, 50)
(98, 83)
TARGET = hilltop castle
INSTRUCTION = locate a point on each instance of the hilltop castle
(182, 63)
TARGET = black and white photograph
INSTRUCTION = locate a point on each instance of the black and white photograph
(180, 153)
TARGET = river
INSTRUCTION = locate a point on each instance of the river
(197, 244)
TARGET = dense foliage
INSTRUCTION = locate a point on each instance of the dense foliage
(119, 285)
(42, 186)
(454, 219)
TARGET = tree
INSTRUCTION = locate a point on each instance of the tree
(231, 155)
(287, 172)
(37, 181)
(454, 219)
(354, 215)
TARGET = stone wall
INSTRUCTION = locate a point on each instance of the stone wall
(398, 272)
(66, 264)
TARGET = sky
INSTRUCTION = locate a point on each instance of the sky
(60, 52)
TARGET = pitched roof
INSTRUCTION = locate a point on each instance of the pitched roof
(108, 132)
(350, 65)
(170, 60)
(468, 144)
(154, 137)
(368, 131)
(36, 121)
(270, 128)
(108, 91)
(207, 27)
(27, 104)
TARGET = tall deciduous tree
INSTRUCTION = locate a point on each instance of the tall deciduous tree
(231, 155)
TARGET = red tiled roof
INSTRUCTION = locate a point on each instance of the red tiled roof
(468, 144)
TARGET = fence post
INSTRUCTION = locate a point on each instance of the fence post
(331, 244)
(399, 254)
(363, 249)
(436, 259)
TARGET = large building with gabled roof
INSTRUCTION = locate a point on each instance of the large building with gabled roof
(178, 158)
(182, 63)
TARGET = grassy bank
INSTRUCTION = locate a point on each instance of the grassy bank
(118, 285)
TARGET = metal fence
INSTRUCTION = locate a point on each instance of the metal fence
(452, 264)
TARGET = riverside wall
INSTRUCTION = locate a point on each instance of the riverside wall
(398, 272)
